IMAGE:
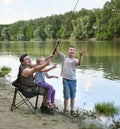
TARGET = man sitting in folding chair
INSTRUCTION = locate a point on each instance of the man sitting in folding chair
(27, 86)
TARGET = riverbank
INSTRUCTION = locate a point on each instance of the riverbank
(22, 118)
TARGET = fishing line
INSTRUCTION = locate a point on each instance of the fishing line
(71, 12)
(58, 41)
(75, 5)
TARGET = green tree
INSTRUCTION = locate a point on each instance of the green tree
(102, 24)
(105, 14)
(103, 33)
(39, 34)
(1, 27)
(82, 28)
(49, 30)
(20, 37)
(5, 33)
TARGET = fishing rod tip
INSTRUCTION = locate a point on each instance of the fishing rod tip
(58, 40)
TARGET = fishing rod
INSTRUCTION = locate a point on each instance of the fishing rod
(58, 41)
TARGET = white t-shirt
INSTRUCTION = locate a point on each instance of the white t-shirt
(68, 70)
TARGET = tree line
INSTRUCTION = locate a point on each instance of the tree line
(102, 24)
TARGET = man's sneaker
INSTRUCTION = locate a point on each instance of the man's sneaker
(42, 107)
(46, 110)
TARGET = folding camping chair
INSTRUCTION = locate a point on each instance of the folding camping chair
(25, 96)
(25, 99)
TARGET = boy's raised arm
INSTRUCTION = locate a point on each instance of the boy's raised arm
(81, 53)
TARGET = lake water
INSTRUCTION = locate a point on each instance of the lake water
(98, 77)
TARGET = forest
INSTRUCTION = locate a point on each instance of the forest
(101, 24)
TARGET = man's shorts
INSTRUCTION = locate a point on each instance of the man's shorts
(36, 90)
(69, 88)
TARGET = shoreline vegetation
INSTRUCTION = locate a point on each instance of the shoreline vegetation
(100, 23)
(22, 118)
(66, 40)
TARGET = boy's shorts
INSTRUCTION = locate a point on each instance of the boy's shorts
(69, 88)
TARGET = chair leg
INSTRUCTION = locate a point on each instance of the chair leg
(14, 99)
(36, 103)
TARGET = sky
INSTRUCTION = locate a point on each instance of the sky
(15, 10)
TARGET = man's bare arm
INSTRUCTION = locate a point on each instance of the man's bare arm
(29, 71)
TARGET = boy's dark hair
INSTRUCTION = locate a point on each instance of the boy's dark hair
(22, 57)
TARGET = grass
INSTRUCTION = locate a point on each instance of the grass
(108, 109)
(5, 70)
(115, 125)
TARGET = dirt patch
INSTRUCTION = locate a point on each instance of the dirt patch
(22, 118)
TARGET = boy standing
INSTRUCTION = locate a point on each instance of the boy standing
(68, 72)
